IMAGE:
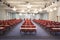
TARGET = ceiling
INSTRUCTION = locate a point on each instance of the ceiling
(22, 4)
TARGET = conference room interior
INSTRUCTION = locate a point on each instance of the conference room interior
(30, 18)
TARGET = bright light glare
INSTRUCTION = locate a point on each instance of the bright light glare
(55, 8)
(40, 10)
(29, 5)
(28, 10)
(35, 11)
(14, 9)
(22, 10)
(51, 10)
(20, 14)
(33, 14)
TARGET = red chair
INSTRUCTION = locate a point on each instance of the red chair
(27, 26)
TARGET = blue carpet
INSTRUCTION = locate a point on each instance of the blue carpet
(40, 31)
(16, 31)
(41, 34)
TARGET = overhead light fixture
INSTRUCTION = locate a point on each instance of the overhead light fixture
(14, 9)
(33, 14)
(28, 10)
(28, 5)
(20, 14)
(22, 10)
(51, 10)
(52, 3)
(40, 10)
(55, 8)
(35, 11)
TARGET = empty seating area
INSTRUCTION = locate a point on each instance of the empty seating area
(29, 19)
(51, 26)
(28, 26)
(6, 25)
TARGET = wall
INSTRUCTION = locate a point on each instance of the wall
(37, 16)
(44, 16)
(3, 14)
(58, 14)
(53, 15)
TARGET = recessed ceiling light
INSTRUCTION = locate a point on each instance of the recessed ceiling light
(40, 10)
(51, 10)
(33, 14)
(55, 8)
(35, 11)
(29, 5)
(22, 10)
(20, 14)
(28, 10)
(14, 9)
(52, 3)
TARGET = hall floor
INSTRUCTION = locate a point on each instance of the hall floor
(40, 34)
(16, 31)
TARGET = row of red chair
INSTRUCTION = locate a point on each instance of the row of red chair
(52, 26)
(28, 26)
(27, 22)
(8, 24)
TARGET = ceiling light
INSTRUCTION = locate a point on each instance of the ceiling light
(22, 10)
(33, 14)
(28, 10)
(20, 14)
(14, 9)
(52, 3)
(35, 11)
(51, 10)
(55, 8)
(29, 5)
(40, 10)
